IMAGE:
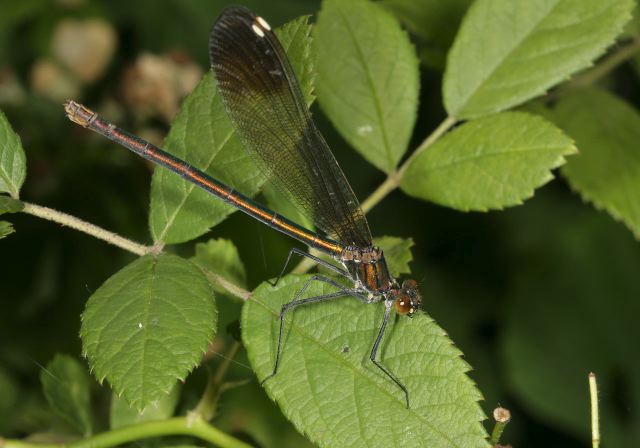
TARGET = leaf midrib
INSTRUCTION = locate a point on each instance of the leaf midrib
(190, 187)
(356, 371)
(471, 158)
(498, 64)
(145, 341)
(376, 100)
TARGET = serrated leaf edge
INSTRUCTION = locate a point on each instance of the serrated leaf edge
(601, 206)
(569, 149)
(379, 115)
(18, 156)
(121, 391)
(599, 51)
(465, 367)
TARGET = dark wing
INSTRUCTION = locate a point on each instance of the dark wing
(263, 98)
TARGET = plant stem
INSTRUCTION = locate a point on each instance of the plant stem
(206, 406)
(391, 182)
(595, 414)
(438, 132)
(599, 71)
(121, 242)
(394, 178)
(502, 416)
(86, 227)
(232, 288)
(608, 64)
(189, 426)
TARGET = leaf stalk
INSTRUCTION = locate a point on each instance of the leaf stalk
(394, 178)
(206, 407)
(189, 426)
(121, 242)
(86, 227)
(595, 413)
(599, 71)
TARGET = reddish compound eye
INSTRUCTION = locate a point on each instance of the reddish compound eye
(408, 298)
(403, 304)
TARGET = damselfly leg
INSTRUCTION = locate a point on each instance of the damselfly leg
(318, 260)
(388, 304)
(343, 291)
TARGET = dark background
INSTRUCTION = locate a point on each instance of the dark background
(522, 292)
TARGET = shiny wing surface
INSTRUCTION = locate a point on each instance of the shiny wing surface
(265, 103)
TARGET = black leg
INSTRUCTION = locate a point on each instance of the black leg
(374, 351)
(296, 302)
(320, 261)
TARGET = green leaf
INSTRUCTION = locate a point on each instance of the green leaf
(607, 170)
(295, 37)
(221, 257)
(277, 201)
(13, 164)
(202, 135)
(10, 205)
(121, 414)
(397, 253)
(6, 229)
(632, 27)
(65, 383)
(573, 309)
(327, 386)
(147, 326)
(490, 163)
(508, 52)
(434, 22)
(368, 78)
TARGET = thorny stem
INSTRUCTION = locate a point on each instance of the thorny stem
(121, 242)
(595, 414)
(86, 227)
(189, 426)
(207, 404)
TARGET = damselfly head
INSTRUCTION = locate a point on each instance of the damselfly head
(78, 113)
(408, 299)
